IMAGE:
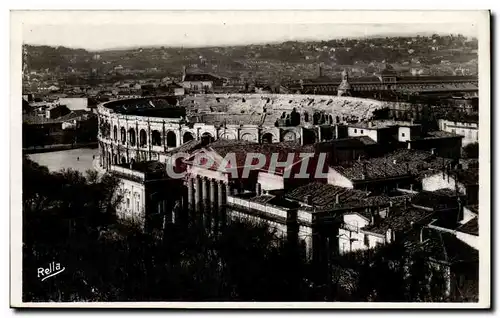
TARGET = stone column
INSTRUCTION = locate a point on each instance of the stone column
(205, 186)
(190, 195)
(258, 189)
(221, 194)
(213, 194)
(198, 192)
(319, 134)
(164, 138)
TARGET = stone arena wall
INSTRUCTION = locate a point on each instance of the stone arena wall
(127, 138)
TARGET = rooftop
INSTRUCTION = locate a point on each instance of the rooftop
(441, 134)
(436, 200)
(402, 162)
(474, 208)
(400, 219)
(241, 148)
(324, 197)
(148, 167)
(471, 227)
(444, 246)
(192, 77)
(373, 124)
(186, 147)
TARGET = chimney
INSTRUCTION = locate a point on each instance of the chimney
(337, 199)
(409, 144)
(433, 151)
(394, 161)
(308, 199)
(258, 189)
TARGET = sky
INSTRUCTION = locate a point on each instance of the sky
(98, 31)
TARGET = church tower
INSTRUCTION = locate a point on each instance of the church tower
(344, 87)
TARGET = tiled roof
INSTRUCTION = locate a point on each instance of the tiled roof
(241, 148)
(261, 199)
(436, 200)
(324, 194)
(146, 166)
(350, 142)
(75, 114)
(37, 120)
(474, 208)
(366, 140)
(400, 219)
(373, 124)
(471, 227)
(444, 246)
(440, 134)
(186, 147)
(324, 197)
(396, 164)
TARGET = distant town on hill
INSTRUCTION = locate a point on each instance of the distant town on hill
(283, 62)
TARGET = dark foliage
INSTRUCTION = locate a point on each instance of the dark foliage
(471, 151)
(70, 219)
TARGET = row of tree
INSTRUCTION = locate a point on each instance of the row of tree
(70, 219)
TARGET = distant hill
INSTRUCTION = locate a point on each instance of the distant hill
(287, 60)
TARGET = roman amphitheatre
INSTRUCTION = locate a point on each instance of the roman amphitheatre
(149, 128)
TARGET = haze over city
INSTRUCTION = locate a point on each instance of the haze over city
(196, 29)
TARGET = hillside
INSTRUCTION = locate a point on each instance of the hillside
(292, 60)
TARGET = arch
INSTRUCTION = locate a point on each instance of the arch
(171, 139)
(131, 136)
(316, 118)
(123, 135)
(247, 137)
(188, 136)
(132, 162)
(207, 137)
(306, 117)
(123, 160)
(308, 137)
(156, 138)
(227, 135)
(289, 136)
(115, 159)
(143, 138)
(267, 138)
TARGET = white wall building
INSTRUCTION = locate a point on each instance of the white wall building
(468, 129)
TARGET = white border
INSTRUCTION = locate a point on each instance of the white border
(482, 18)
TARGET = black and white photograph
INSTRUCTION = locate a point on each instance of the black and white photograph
(250, 159)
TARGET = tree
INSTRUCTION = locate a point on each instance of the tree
(471, 151)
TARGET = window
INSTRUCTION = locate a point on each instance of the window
(361, 130)
(366, 241)
(402, 134)
(453, 131)
(344, 248)
(128, 203)
(355, 130)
